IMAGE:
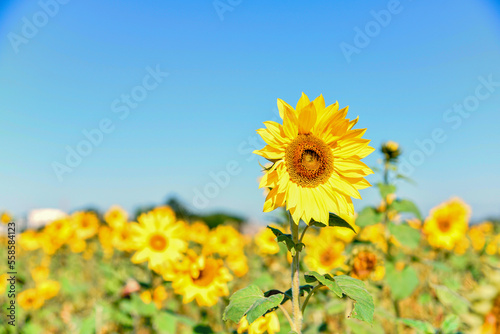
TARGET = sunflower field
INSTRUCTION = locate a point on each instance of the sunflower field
(320, 267)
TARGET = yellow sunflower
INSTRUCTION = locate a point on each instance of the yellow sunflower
(48, 289)
(269, 323)
(106, 240)
(205, 279)
(30, 299)
(157, 296)
(198, 232)
(116, 217)
(238, 264)
(29, 240)
(447, 224)
(266, 242)
(5, 218)
(479, 234)
(3, 283)
(374, 234)
(158, 239)
(316, 156)
(367, 264)
(86, 224)
(122, 238)
(324, 252)
(224, 240)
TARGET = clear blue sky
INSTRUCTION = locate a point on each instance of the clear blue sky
(224, 79)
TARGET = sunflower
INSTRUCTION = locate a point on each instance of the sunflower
(30, 299)
(86, 224)
(3, 283)
(324, 252)
(266, 242)
(391, 151)
(205, 279)
(48, 289)
(105, 238)
(269, 323)
(116, 217)
(5, 217)
(198, 232)
(447, 224)
(238, 264)
(122, 238)
(224, 240)
(479, 234)
(59, 231)
(374, 234)
(158, 239)
(367, 264)
(316, 156)
(29, 240)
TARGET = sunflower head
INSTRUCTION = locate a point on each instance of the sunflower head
(447, 224)
(367, 263)
(315, 156)
(324, 252)
(266, 242)
(30, 299)
(391, 151)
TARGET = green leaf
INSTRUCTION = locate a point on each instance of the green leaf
(165, 322)
(240, 302)
(302, 290)
(251, 302)
(352, 288)
(404, 205)
(358, 327)
(420, 326)
(327, 280)
(287, 239)
(203, 329)
(386, 189)
(356, 290)
(368, 216)
(334, 220)
(451, 299)
(262, 305)
(405, 234)
(402, 283)
(450, 324)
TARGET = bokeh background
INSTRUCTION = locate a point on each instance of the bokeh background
(227, 63)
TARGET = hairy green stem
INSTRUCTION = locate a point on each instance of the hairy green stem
(290, 321)
(297, 314)
(309, 296)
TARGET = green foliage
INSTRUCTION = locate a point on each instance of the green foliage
(404, 205)
(451, 299)
(350, 287)
(250, 301)
(287, 239)
(405, 234)
(386, 189)
(368, 216)
(334, 220)
(422, 327)
(403, 282)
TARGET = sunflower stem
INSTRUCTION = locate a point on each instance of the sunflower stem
(297, 314)
(309, 296)
(287, 315)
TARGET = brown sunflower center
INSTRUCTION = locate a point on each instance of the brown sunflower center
(444, 225)
(309, 161)
(364, 264)
(158, 242)
(327, 257)
(207, 274)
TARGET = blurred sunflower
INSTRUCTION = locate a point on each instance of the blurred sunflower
(367, 263)
(324, 252)
(391, 151)
(269, 323)
(374, 234)
(105, 238)
(30, 299)
(198, 232)
(447, 224)
(29, 240)
(48, 289)
(224, 240)
(316, 160)
(157, 238)
(3, 283)
(122, 238)
(116, 217)
(5, 218)
(238, 264)
(205, 279)
(86, 224)
(266, 242)
(157, 296)
(479, 234)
